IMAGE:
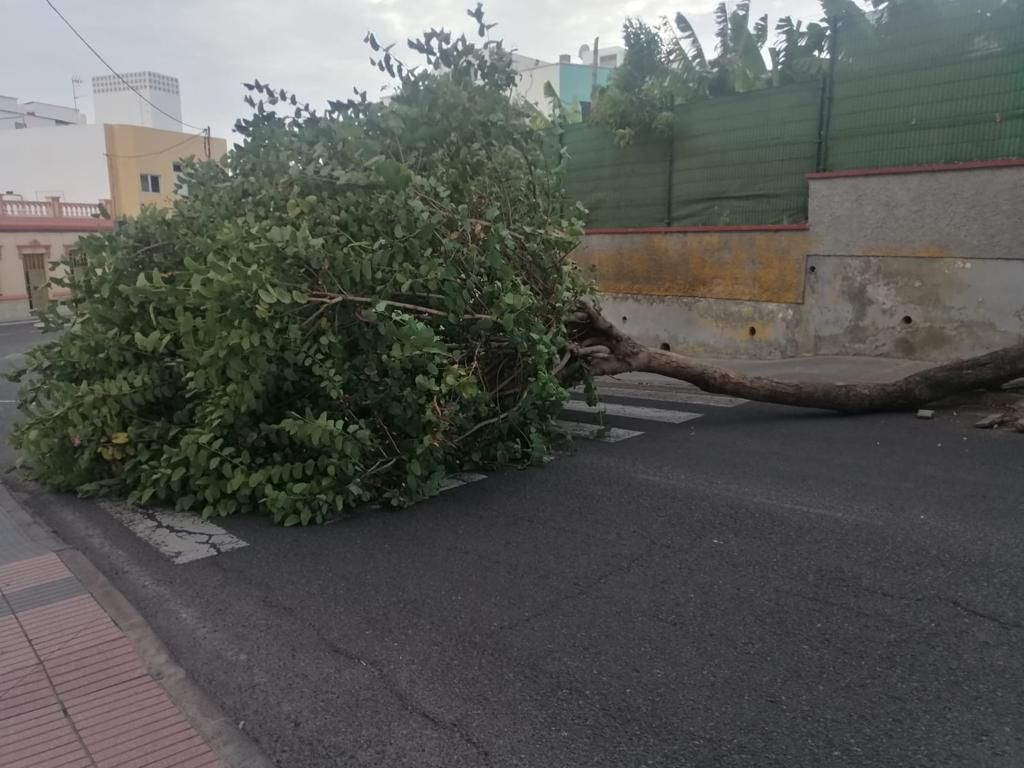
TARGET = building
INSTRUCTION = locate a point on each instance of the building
(35, 114)
(573, 82)
(115, 101)
(36, 241)
(130, 165)
(131, 156)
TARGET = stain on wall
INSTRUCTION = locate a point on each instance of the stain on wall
(749, 266)
(925, 309)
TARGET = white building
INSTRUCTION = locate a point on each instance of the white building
(572, 81)
(69, 162)
(115, 102)
(35, 114)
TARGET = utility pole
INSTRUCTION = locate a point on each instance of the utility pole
(75, 82)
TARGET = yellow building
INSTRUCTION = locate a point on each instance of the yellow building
(130, 165)
(52, 183)
(143, 164)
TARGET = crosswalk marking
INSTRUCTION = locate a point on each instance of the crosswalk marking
(461, 478)
(596, 431)
(665, 396)
(632, 412)
(181, 536)
(185, 537)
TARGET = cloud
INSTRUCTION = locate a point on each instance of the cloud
(311, 47)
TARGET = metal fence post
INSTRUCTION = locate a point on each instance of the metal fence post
(827, 91)
(668, 184)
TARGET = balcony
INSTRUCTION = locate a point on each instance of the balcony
(52, 215)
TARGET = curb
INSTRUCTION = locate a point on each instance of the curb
(233, 746)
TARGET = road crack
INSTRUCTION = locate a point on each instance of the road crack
(406, 700)
(582, 590)
(1005, 623)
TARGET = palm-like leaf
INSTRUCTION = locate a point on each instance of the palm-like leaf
(722, 29)
(761, 31)
(695, 50)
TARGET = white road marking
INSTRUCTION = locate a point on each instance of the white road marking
(461, 478)
(666, 396)
(181, 536)
(8, 402)
(596, 431)
(632, 412)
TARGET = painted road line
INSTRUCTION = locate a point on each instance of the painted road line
(182, 536)
(596, 431)
(461, 478)
(632, 412)
(671, 396)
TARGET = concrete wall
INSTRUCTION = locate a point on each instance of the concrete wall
(919, 308)
(739, 264)
(926, 265)
(64, 161)
(963, 214)
(710, 327)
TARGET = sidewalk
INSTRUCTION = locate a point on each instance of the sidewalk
(74, 691)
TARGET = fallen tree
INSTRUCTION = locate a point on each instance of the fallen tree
(350, 306)
(608, 351)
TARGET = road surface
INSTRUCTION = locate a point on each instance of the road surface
(756, 586)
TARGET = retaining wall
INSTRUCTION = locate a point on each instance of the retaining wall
(923, 263)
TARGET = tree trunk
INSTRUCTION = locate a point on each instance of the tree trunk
(608, 351)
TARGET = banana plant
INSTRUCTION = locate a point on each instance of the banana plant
(739, 63)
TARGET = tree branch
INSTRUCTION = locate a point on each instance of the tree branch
(618, 353)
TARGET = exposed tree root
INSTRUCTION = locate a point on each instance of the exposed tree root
(608, 351)
(1011, 416)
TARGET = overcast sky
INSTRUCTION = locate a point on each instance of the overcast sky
(311, 47)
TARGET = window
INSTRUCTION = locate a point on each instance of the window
(176, 167)
(610, 60)
(150, 182)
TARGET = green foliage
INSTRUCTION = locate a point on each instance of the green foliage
(667, 66)
(739, 63)
(641, 92)
(561, 115)
(350, 306)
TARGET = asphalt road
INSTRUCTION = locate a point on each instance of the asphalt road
(15, 340)
(759, 587)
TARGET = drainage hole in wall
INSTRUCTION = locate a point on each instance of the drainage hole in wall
(752, 331)
(666, 347)
(624, 318)
(907, 319)
(813, 268)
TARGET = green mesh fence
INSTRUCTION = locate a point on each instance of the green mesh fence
(742, 159)
(938, 81)
(942, 83)
(620, 186)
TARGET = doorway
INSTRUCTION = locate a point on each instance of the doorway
(36, 280)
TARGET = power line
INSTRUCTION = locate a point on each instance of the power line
(118, 74)
(186, 140)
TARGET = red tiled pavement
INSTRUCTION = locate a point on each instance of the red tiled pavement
(29, 573)
(73, 691)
